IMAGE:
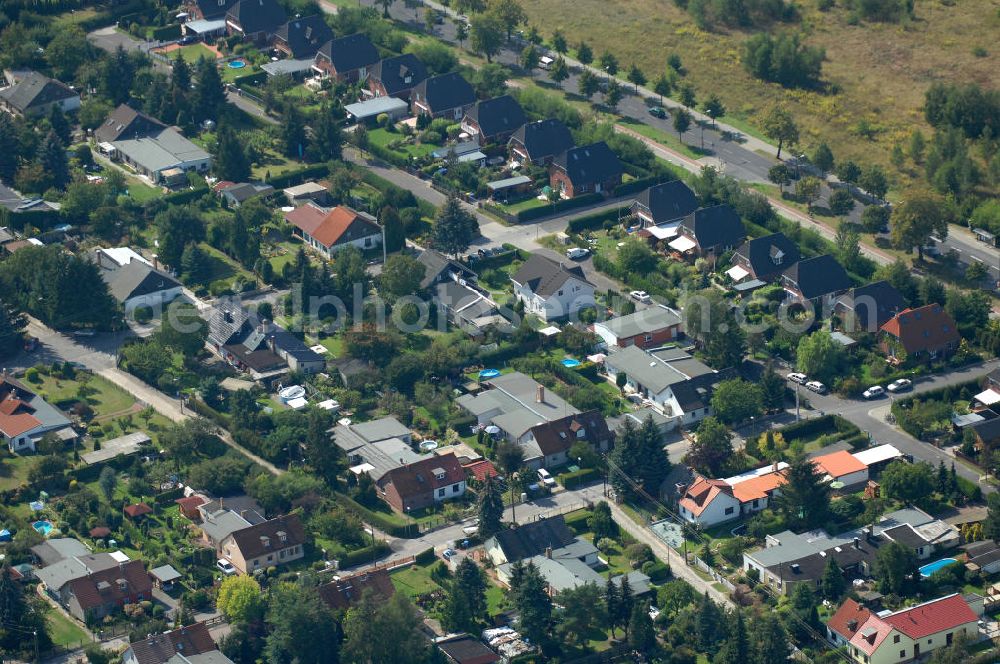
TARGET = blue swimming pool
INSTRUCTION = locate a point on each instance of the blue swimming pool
(936, 566)
(237, 64)
(569, 363)
(42, 527)
(488, 373)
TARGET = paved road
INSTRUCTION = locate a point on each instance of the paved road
(870, 416)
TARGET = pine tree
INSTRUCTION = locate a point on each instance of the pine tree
(395, 234)
(531, 600)
(953, 479)
(180, 75)
(770, 640)
(833, 583)
(942, 479)
(653, 464)
(209, 93)
(736, 647)
(293, 133)
(52, 158)
(613, 604)
(454, 228)
(60, 125)
(194, 264)
(490, 508)
(9, 148)
(466, 602)
(11, 325)
(709, 625)
(805, 497)
(231, 161)
(641, 634)
(626, 602)
(328, 139)
(772, 388)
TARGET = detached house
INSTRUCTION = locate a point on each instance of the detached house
(539, 142)
(396, 76)
(926, 332)
(493, 120)
(255, 20)
(647, 328)
(445, 96)
(191, 643)
(343, 593)
(763, 258)
(264, 350)
(346, 58)
(423, 483)
(588, 169)
(550, 290)
(514, 404)
(547, 445)
(26, 418)
(206, 10)
(302, 37)
(663, 203)
(134, 282)
(819, 280)
(92, 597)
(869, 307)
(907, 635)
(709, 231)
(36, 95)
(328, 231)
(275, 542)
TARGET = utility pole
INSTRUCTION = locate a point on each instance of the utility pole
(384, 250)
(796, 402)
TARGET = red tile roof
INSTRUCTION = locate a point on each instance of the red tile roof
(343, 224)
(932, 617)
(306, 218)
(850, 614)
(839, 463)
(758, 487)
(926, 328)
(481, 469)
(99, 532)
(137, 510)
(103, 588)
(700, 494)
(419, 478)
(343, 593)
(16, 415)
(191, 502)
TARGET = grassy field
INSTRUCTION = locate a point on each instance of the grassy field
(880, 70)
(383, 138)
(414, 581)
(194, 52)
(65, 632)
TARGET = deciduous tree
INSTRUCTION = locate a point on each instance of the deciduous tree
(779, 125)
(922, 214)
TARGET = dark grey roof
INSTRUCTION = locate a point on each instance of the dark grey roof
(437, 266)
(589, 164)
(544, 276)
(544, 139)
(257, 16)
(906, 535)
(532, 539)
(246, 190)
(287, 342)
(445, 92)
(304, 36)
(716, 226)
(815, 277)
(214, 8)
(499, 115)
(227, 320)
(137, 278)
(987, 430)
(770, 254)
(879, 298)
(36, 90)
(399, 73)
(667, 201)
(127, 123)
(350, 52)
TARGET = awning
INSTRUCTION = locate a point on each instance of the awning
(988, 397)
(682, 244)
(737, 272)
(664, 231)
(549, 331)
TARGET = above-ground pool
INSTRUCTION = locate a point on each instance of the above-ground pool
(936, 566)
(291, 392)
(569, 363)
(428, 445)
(42, 527)
(489, 373)
(237, 64)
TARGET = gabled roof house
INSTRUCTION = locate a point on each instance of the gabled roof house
(867, 308)
(36, 95)
(26, 418)
(551, 290)
(328, 231)
(540, 142)
(136, 283)
(256, 20)
(302, 37)
(709, 231)
(423, 483)
(764, 258)
(396, 76)
(663, 203)
(191, 644)
(445, 96)
(819, 280)
(493, 120)
(925, 332)
(647, 328)
(207, 9)
(593, 168)
(347, 58)
(101, 593)
(274, 542)
(547, 444)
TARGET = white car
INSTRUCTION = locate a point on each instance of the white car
(874, 392)
(225, 567)
(577, 253)
(816, 386)
(640, 296)
(900, 385)
(546, 477)
(799, 378)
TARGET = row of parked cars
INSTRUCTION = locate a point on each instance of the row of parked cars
(873, 392)
(802, 379)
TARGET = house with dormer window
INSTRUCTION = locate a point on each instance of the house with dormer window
(547, 445)
(423, 483)
(926, 332)
(268, 544)
(764, 258)
(396, 76)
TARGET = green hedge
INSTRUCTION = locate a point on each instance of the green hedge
(425, 557)
(579, 522)
(969, 489)
(391, 156)
(367, 555)
(559, 206)
(164, 33)
(168, 497)
(380, 521)
(203, 409)
(818, 426)
(250, 79)
(639, 184)
(658, 572)
(577, 477)
(593, 222)
(185, 196)
(291, 178)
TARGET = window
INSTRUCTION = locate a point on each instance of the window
(270, 558)
(647, 338)
(455, 488)
(440, 493)
(902, 654)
(755, 503)
(895, 639)
(729, 510)
(256, 562)
(559, 293)
(948, 638)
(930, 641)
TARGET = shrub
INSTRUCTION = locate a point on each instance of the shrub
(577, 477)
(33, 376)
(425, 557)
(382, 120)
(143, 315)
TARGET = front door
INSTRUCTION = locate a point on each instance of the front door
(916, 651)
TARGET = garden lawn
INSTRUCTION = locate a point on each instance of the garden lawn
(526, 204)
(333, 344)
(382, 138)
(141, 192)
(14, 471)
(107, 399)
(64, 631)
(222, 268)
(415, 581)
(192, 53)
(229, 74)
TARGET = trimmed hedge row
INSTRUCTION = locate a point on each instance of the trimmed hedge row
(425, 557)
(168, 497)
(596, 221)
(203, 409)
(818, 426)
(366, 555)
(185, 196)
(298, 176)
(639, 184)
(380, 521)
(577, 477)
(250, 79)
(164, 33)
(969, 489)
(426, 209)
(558, 206)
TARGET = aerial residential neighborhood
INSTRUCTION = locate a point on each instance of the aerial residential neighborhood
(493, 331)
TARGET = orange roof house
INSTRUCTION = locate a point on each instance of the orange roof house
(842, 466)
(709, 502)
(926, 331)
(327, 231)
(844, 624)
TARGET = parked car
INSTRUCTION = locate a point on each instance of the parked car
(901, 385)
(577, 253)
(546, 477)
(816, 386)
(874, 392)
(187, 39)
(657, 112)
(225, 567)
(545, 62)
(448, 554)
(640, 296)
(799, 378)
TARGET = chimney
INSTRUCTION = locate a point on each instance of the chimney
(857, 543)
(540, 394)
(156, 262)
(243, 514)
(548, 552)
